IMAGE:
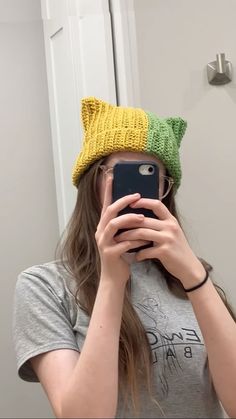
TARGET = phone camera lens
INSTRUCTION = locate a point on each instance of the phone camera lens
(150, 169)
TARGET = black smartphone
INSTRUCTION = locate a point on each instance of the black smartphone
(136, 176)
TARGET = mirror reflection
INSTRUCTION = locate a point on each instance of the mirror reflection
(121, 298)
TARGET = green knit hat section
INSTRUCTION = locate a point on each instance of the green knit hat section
(164, 138)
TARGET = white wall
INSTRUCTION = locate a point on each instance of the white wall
(176, 40)
(28, 213)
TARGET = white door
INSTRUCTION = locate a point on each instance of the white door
(79, 56)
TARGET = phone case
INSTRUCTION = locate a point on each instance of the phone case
(127, 180)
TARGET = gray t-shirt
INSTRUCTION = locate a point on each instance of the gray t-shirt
(46, 318)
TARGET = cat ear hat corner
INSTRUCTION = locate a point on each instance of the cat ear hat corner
(109, 129)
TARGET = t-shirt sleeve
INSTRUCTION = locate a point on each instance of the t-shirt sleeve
(41, 322)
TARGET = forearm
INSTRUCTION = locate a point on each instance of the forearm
(93, 388)
(219, 333)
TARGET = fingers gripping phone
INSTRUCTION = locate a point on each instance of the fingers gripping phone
(136, 176)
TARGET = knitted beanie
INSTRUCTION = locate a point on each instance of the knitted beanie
(109, 129)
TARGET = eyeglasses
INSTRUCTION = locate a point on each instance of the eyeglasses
(165, 182)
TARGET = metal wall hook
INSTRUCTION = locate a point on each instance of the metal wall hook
(219, 71)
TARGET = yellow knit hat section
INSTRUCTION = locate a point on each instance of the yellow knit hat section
(108, 129)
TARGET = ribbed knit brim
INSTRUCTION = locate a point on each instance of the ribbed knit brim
(109, 129)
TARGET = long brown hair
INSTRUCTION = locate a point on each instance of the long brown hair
(78, 252)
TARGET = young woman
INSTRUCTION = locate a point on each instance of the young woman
(110, 333)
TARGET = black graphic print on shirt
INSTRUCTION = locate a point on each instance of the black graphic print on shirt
(171, 349)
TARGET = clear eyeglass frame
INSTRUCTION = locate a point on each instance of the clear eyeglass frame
(168, 181)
